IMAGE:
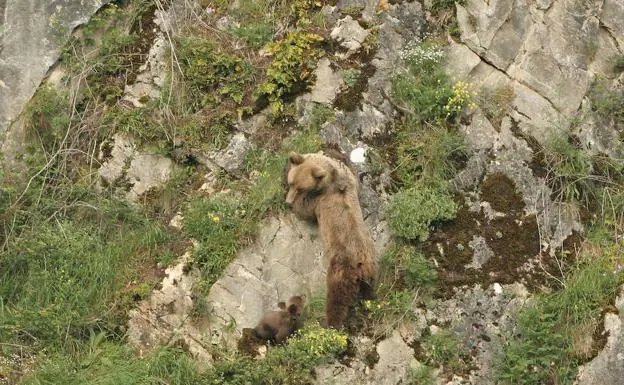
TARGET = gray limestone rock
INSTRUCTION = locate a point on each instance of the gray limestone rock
(33, 33)
(123, 164)
(328, 83)
(165, 319)
(608, 366)
(349, 34)
(395, 360)
(231, 158)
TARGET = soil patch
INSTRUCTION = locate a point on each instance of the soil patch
(513, 239)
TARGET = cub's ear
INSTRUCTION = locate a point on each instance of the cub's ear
(292, 309)
(295, 158)
(318, 173)
(341, 184)
(281, 305)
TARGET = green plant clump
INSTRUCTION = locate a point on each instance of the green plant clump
(542, 350)
(412, 211)
(211, 77)
(294, 60)
(221, 226)
(288, 364)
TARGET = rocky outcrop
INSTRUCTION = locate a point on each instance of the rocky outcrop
(608, 367)
(33, 33)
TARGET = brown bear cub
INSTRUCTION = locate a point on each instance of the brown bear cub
(327, 189)
(276, 326)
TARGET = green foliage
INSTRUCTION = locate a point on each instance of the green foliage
(429, 156)
(101, 361)
(572, 169)
(422, 86)
(319, 115)
(135, 121)
(423, 375)
(107, 51)
(542, 351)
(405, 264)
(58, 279)
(444, 348)
(411, 212)
(48, 116)
(440, 5)
(255, 34)
(287, 364)
(607, 103)
(351, 76)
(221, 226)
(211, 77)
(294, 60)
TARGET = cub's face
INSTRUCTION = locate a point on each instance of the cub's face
(303, 178)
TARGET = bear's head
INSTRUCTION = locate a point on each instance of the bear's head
(306, 177)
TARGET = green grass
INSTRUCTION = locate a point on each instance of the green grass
(403, 264)
(287, 364)
(429, 156)
(101, 361)
(543, 350)
(572, 169)
(444, 348)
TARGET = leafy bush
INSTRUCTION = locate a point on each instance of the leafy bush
(422, 85)
(411, 212)
(294, 60)
(444, 348)
(211, 77)
(351, 76)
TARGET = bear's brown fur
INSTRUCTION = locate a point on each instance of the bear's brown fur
(336, 177)
(348, 245)
(276, 326)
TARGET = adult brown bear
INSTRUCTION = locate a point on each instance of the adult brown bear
(324, 188)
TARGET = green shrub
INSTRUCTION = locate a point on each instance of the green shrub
(256, 34)
(422, 86)
(444, 348)
(351, 76)
(408, 265)
(294, 60)
(411, 212)
(211, 77)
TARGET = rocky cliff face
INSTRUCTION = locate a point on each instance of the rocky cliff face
(545, 57)
(33, 33)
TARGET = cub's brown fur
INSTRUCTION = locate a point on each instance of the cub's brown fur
(348, 245)
(276, 326)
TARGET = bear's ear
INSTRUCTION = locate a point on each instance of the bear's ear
(292, 309)
(318, 173)
(281, 305)
(295, 158)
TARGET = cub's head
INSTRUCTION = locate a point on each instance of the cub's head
(306, 176)
(294, 306)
